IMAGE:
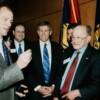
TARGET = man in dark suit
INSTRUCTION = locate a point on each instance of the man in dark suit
(85, 79)
(18, 46)
(9, 73)
(43, 81)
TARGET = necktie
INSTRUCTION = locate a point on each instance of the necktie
(19, 49)
(6, 54)
(46, 64)
(69, 76)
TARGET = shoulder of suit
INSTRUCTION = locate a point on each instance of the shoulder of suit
(56, 43)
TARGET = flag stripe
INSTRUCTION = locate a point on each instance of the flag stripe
(74, 16)
(74, 13)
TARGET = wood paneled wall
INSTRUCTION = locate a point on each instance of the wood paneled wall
(31, 13)
(87, 11)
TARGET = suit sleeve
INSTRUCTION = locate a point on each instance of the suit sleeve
(9, 75)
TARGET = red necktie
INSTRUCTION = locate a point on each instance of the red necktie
(69, 76)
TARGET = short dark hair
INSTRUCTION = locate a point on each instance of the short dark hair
(44, 23)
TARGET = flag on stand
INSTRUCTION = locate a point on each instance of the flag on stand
(96, 42)
(71, 15)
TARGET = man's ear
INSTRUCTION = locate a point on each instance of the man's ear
(89, 39)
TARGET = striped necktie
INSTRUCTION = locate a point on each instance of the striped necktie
(46, 63)
(19, 49)
(69, 76)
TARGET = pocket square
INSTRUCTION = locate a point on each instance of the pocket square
(66, 60)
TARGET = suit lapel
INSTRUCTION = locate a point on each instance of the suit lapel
(39, 58)
(52, 59)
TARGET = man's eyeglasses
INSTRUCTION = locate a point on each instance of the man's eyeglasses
(20, 31)
(78, 38)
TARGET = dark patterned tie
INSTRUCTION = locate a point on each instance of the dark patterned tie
(69, 76)
(6, 54)
(46, 63)
(19, 49)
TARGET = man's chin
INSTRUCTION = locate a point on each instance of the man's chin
(19, 40)
(76, 47)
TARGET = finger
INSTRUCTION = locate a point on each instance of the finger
(20, 94)
(24, 86)
(46, 95)
(25, 91)
(64, 96)
(29, 50)
(55, 98)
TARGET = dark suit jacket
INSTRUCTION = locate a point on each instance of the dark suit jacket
(25, 71)
(87, 77)
(36, 76)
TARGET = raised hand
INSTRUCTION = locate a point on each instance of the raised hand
(24, 59)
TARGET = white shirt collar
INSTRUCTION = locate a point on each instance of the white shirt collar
(16, 42)
(1, 40)
(42, 43)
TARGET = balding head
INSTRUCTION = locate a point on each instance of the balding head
(6, 18)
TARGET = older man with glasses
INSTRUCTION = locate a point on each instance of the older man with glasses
(81, 78)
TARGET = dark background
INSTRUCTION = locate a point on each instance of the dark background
(30, 12)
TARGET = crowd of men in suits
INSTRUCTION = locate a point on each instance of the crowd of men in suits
(51, 73)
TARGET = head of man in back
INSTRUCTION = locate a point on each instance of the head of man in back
(44, 31)
(19, 32)
(81, 36)
(6, 19)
